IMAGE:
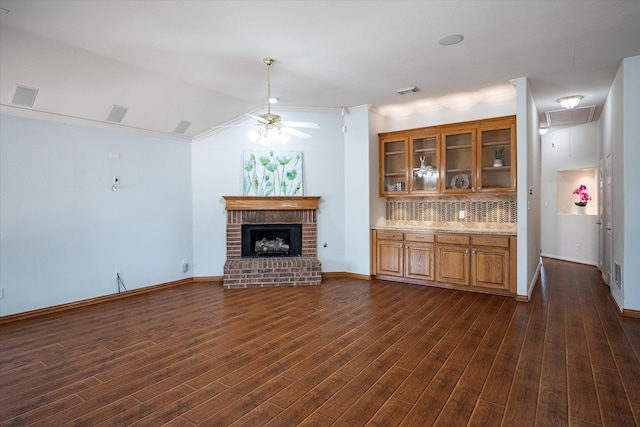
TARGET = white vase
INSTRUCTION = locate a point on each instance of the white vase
(581, 209)
(497, 163)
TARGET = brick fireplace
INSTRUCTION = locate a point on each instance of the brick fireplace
(254, 272)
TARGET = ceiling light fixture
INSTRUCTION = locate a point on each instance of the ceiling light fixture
(569, 102)
(451, 39)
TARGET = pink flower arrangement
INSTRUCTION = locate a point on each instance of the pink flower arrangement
(584, 196)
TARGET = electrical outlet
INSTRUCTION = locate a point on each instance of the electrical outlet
(461, 214)
(1, 293)
(185, 265)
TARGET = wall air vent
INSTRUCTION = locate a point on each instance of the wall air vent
(573, 116)
(182, 127)
(24, 96)
(406, 90)
(117, 114)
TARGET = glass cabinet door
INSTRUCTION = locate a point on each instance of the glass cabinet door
(496, 157)
(458, 161)
(393, 156)
(424, 164)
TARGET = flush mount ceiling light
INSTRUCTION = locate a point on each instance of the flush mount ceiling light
(451, 39)
(569, 102)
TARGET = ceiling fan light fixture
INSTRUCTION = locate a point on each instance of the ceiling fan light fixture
(569, 102)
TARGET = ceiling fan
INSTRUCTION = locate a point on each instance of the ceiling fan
(270, 126)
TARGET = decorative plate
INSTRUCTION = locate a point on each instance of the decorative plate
(460, 181)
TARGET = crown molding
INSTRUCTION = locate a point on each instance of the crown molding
(79, 121)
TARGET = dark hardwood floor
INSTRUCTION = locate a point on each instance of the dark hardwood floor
(346, 353)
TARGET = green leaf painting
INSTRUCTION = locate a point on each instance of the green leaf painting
(272, 173)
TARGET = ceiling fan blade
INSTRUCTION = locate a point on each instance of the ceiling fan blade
(258, 118)
(309, 125)
(295, 132)
(232, 126)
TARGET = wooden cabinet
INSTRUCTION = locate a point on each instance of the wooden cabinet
(390, 253)
(496, 156)
(419, 256)
(394, 165)
(405, 255)
(460, 158)
(409, 163)
(453, 255)
(490, 262)
(479, 262)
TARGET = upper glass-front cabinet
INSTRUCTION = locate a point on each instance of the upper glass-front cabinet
(393, 173)
(470, 157)
(458, 161)
(424, 161)
(496, 157)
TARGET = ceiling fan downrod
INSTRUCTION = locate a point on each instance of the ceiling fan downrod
(268, 61)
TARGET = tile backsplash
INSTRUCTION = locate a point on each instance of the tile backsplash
(479, 212)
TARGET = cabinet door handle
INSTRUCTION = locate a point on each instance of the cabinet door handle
(473, 252)
(451, 239)
(473, 189)
(489, 241)
(467, 251)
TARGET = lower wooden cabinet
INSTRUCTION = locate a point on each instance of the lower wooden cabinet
(405, 255)
(453, 264)
(463, 261)
(490, 262)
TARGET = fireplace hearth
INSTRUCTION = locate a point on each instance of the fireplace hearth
(271, 241)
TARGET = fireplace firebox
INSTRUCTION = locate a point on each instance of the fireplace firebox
(271, 240)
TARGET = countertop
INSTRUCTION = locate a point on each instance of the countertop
(410, 229)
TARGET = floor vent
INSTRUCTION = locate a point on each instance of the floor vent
(617, 273)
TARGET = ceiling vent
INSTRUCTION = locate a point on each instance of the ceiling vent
(182, 127)
(573, 116)
(406, 90)
(117, 114)
(24, 96)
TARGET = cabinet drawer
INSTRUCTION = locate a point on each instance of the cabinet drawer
(419, 237)
(455, 239)
(389, 235)
(498, 241)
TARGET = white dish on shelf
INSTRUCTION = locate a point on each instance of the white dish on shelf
(460, 181)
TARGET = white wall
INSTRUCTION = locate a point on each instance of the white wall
(217, 171)
(454, 108)
(619, 136)
(357, 182)
(631, 132)
(569, 156)
(528, 178)
(64, 232)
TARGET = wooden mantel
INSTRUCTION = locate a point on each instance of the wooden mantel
(271, 203)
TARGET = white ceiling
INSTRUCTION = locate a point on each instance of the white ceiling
(201, 61)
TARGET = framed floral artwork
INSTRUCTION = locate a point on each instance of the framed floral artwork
(272, 173)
